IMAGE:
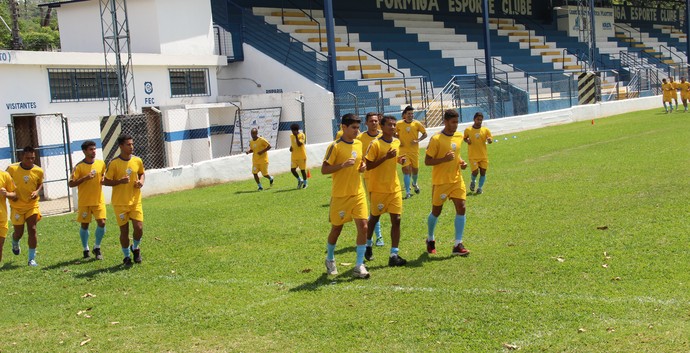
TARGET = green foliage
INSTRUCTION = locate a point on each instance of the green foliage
(42, 38)
(227, 268)
(34, 36)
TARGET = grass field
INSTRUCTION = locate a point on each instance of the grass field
(230, 269)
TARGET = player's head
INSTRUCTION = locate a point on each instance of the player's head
(408, 113)
(89, 148)
(388, 125)
(294, 128)
(682, 79)
(663, 80)
(450, 121)
(126, 143)
(28, 156)
(255, 133)
(350, 125)
(670, 79)
(478, 118)
(372, 121)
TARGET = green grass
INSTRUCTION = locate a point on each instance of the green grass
(229, 269)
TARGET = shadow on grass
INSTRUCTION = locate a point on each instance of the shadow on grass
(111, 269)
(418, 262)
(287, 190)
(78, 261)
(8, 266)
(245, 192)
(314, 285)
(345, 250)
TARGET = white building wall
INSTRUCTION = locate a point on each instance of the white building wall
(80, 27)
(185, 27)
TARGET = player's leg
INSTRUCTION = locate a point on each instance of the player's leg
(100, 233)
(124, 243)
(3, 235)
(371, 225)
(394, 259)
(482, 179)
(685, 104)
(33, 238)
(84, 236)
(330, 249)
(138, 233)
(475, 171)
(415, 176)
(431, 221)
(18, 233)
(258, 181)
(407, 178)
(359, 270)
(459, 248)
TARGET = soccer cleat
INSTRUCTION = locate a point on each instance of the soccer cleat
(33, 263)
(431, 246)
(330, 267)
(86, 254)
(97, 253)
(271, 181)
(408, 196)
(304, 184)
(127, 261)
(137, 254)
(396, 260)
(15, 248)
(472, 186)
(479, 191)
(379, 241)
(459, 250)
(416, 188)
(299, 184)
(260, 188)
(369, 253)
(360, 271)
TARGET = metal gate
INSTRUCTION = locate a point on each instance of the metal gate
(49, 135)
(147, 131)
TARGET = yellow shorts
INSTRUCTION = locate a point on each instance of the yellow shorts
(125, 213)
(19, 216)
(479, 163)
(443, 192)
(345, 209)
(263, 168)
(298, 163)
(3, 231)
(685, 96)
(668, 99)
(85, 213)
(386, 203)
(412, 158)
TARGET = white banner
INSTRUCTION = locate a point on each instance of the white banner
(570, 20)
(265, 120)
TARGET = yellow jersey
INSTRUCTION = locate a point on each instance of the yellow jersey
(366, 141)
(668, 89)
(346, 181)
(477, 149)
(684, 88)
(298, 152)
(439, 145)
(26, 182)
(257, 146)
(339, 134)
(383, 178)
(90, 191)
(408, 132)
(7, 183)
(118, 168)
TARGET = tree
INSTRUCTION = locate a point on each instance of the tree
(37, 27)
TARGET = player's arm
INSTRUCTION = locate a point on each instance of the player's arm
(114, 182)
(466, 138)
(249, 150)
(76, 182)
(424, 135)
(330, 169)
(299, 141)
(431, 161)
(34, 194)
(373, 164)
(140, 182)
(9, 185)
(265, 149)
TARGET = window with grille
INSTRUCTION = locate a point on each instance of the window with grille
(189, 82)
(75, 85)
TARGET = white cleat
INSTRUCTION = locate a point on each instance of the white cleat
(330, 267)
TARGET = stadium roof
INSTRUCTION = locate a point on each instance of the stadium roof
(60, 3)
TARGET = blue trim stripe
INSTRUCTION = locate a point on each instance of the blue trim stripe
(198, 133)
(50, 150)
(285, 126)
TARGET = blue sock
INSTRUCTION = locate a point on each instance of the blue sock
(84, 235)
(125, 251)
(406, 178)
(259, 184)
(305, 181)
(394, 251)
(370, 242)
(377, 229)
(474, 178)
(135, 243)
(32, 254)
(360, 254)
(431, 225)
(482, 179)
(330, 251)
(100, 233)
(414, 178)
(459, 228)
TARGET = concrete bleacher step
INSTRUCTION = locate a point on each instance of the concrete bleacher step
(350, 57)
(364, 67)
(379, 75)
(401, 88)
(339, 49)
(301, 23)
(288, 14)
(309, 30)
(323, 39)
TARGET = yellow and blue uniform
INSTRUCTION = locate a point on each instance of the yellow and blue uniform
(383, 183)
(26, 182)
(126, 199)
(348, 200)
(684, 90)
(668, 92)
(407, 133)
(366, 141)
(477, 151)
(299, 153)
(674, 92)
(259, 161)
(446, 177)
(7, 183)
(91, 200)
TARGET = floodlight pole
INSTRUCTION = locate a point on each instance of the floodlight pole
(487, 57)
(593, 37)
(116, 44)
(330, 40)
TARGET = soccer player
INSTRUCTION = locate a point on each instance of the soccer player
(667, 90)
(674, 93)
(259, 146)
(88, 177)
(6, 192)
(384, 187)
(28, 179)
(372, 122)
(408, 131)
(299, 155)
(443, 154)
(477, 137)
(125, 174)
(344, 162)
(684, 87)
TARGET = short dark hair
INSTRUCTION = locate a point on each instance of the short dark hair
(87, 144)
(369, 115)
(477, 114)
(122, 138)
(407, 109)
(450, 114)
(349, 119)
(385, 118)
(294, 126)
(29, 149)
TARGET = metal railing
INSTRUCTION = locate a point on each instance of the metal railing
(360, 95)
(629, 32)
(521, 19)
(295, 7)
(321, 7)
(428, 74)
(462, 93)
